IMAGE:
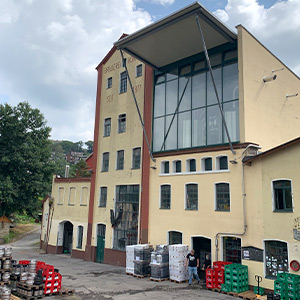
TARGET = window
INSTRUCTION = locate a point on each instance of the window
(79, 237)
(191, 165)
(120, 160)
(126, 216)
(124, 63)
(123, 82)
(84, 195)
(222, 163)
(139, 70)
(103, 196)
(105, 162)
(175, 237)
(165, 196)
(61, 195)
(198, 121)
(122, 123)
(282, 195)
(136, 158)
(177, 166)
(165, 167)
(206, 164)
(191, 197)
(222, 196)
(107, 126)
(276, 258)
(72, 194)
(109, 83)
(232, 250)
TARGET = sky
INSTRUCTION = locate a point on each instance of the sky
(50, 48)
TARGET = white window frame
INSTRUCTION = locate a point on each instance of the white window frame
(185, 200)
(215, 192)
(162, 167)
(174, 166)
(135, 148)
(273, 196)
(187, 164)
(84, 187)
(203, 164)
(217, 163)
(160, 195)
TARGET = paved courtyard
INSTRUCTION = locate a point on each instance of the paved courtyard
(99, 281)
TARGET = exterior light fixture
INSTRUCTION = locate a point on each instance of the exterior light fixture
(269, 78)
(291, 95)
(234, 162)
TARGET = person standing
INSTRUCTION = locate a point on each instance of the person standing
(192, 260)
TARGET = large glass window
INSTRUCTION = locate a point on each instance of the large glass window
(190, 101)
(175, 237)
(191, 197)
(136, 158)
(232, 250)
(222, 197)
(276, 258)
(107, 126)
(103, 196)
(126, 216)
(282, 193)
(165, 196)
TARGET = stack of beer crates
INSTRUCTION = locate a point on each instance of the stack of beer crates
(236, 278)
(51, 279)
(287, 286)
(215, 276)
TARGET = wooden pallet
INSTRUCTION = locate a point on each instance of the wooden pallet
(248, 295)
(158, 279)
(233, 294)
(176, 281)
(65, 291)
(14, 297)
(29, 297)
(216, 290)
(4, 283)
(5, 258)
(141, 276)
(131, 274)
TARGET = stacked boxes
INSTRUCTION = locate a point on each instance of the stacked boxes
(287, 286)
(129, 259)
(177, 257)
(142, 258)
(160, 262)
(236, 278)
(52, 280)
(215, 277)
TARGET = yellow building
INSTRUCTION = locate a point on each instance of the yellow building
(215, 106)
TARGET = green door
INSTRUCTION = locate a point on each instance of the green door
(100, 242)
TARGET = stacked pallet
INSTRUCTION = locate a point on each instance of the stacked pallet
(51, 279)
(177, 256)
(160, 263)
(142, 259)
(236, 278)
(215, 276)
(129, 259)
(287, 286)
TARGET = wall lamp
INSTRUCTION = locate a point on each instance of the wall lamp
(291, 95)
(269, 78)
(153, 167)
(234, 162)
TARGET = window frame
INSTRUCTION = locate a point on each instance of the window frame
(139, 70)
(223, 246)
(103, 167)
(120, 160)
(216, 204)
(134, 158)
(203, 163)
(63, 195)
(168, 236)
(188, 165)
(81, 203)
(123, 82)
(106, 131)
(160, 196)
(163, 167)
(175, 165)
(101, 202)
(218, 164)
(69, 200)
(122, 119)
(185, 196)
(79, 238)
(285, 210)
(109, 83)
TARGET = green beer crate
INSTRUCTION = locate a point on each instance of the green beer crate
(281, 276)
(261, 291)
(226, 287)
(292, 278)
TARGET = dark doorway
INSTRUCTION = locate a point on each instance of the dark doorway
(202, 247)
(68, 238)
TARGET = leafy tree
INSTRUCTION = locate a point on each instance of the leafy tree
(25, 168)
(90, 145)
(80, 169)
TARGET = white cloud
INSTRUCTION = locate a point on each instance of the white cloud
(276, 27)
(158, 2)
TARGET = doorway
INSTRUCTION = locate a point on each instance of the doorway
(68, 238)
(101, 229)
(202, 247)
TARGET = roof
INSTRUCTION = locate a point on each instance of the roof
(248, 160)
(176, 37)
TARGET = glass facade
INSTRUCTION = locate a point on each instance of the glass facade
(186, 112)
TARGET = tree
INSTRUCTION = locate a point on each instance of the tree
(90, 145)
(25, 167)
(80, 169)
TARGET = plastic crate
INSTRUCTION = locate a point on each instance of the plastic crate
(292, 278)
(210, 271)
(240, 289)
(24, 262)
(220, 279)
(226, 287)
(225, 263)
(295, 297)
(210, 285)
(281, 276)
(220, 273)
(261, 291)
(292, 286)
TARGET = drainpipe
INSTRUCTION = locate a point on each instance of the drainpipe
(244, 206)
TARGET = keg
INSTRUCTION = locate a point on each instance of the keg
(5, 276)
(32, 266)
(6, 264)
(1, 252)
(18, 270)
(7, 251)
(23, 277)
(29, 281)
(6, 292)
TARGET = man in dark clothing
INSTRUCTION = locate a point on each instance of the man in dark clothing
(193, 262)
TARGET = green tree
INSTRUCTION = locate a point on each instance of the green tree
(80, 169)
(90, 145)
(25, 167)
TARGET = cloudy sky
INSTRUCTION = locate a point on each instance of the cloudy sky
(50, 48)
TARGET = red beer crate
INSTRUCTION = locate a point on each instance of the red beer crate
(24, 262)
(210, 285)
(210, 272)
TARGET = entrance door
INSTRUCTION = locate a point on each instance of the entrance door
(100, 242)
(68, 238)
(202, 247)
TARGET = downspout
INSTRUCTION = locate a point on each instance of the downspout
(244, 206)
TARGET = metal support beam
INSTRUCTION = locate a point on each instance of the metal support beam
(214, 84)
(137, 107)
(176, 110)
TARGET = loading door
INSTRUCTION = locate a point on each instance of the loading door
(202, 247)
(68, 238)
(100, 242)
